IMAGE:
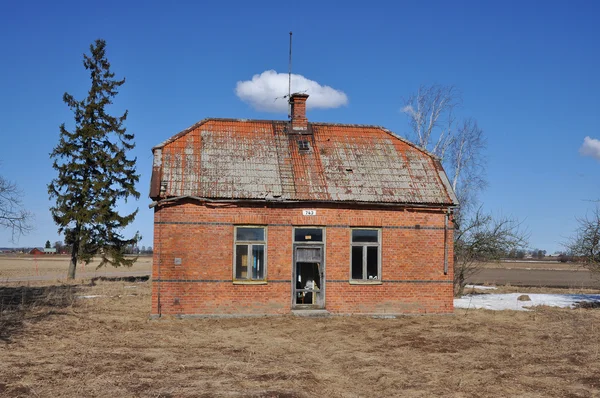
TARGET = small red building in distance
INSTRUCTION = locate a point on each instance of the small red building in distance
(257, 217)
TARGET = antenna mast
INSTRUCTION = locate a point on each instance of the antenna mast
(290, 79)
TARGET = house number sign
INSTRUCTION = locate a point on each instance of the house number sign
(309, 212)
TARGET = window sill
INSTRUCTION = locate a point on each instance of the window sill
(249, 282)
(366, 282)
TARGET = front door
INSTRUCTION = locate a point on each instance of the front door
(309, 269)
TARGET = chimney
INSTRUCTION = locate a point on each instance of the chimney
(298, 113)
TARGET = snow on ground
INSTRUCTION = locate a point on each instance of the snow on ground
(481, 287)
(509, 301)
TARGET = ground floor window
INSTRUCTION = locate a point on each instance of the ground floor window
(250, 253)
(365, 254)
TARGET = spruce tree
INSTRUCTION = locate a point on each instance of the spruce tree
(94, 171)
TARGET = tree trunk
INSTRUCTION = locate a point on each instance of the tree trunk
(72, 266)
(459, 282)
(74, 255)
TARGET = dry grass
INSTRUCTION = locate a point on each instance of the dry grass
(107, 346)
(21, 304)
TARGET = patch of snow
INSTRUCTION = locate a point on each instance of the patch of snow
(481, 287)
(130, 287)
(508, 301)
(91, 296)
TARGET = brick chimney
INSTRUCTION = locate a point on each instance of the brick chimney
(298, 113)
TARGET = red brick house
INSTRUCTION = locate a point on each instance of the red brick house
(267, 217)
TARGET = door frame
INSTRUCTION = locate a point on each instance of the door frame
(323, 267)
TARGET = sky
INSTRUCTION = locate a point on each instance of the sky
(526, 70)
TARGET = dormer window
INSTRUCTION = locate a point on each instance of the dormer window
(303, 145)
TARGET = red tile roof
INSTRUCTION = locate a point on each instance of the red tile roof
(261, 160)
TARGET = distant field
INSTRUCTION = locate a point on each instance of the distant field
(56, 266)
(50, 267)
(533, 265)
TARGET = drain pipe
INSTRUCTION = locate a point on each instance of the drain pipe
(159, 306)
(446, 216)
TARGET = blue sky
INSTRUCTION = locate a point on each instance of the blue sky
(528, 72)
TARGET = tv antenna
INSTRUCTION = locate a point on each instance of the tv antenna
(290, 79)
(289, 94)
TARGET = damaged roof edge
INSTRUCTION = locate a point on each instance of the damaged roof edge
(283, 202)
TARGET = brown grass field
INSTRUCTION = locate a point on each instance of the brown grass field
(547, 264)
(54, 344)
(52, 267)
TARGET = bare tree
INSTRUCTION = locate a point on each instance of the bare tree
(431, 116)
(12, 214)
(466, 165)
(584, 246)
(483, 238)
(461, 144)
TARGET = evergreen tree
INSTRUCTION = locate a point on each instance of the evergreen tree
(48, 246)
(94, 171)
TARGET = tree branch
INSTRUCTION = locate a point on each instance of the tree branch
(12, 214)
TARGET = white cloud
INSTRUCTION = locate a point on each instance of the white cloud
(590, 147)
(265, 92)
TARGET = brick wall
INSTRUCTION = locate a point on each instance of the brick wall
(201, 238)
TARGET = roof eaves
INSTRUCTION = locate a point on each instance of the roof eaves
(303, 201)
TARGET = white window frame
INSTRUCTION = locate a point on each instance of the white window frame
(249, 244)
(364, 245)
